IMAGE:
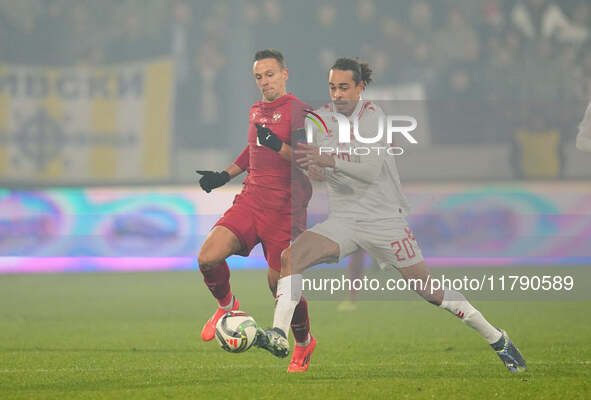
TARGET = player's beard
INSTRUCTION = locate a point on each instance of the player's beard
(345, 107)
(270, 95)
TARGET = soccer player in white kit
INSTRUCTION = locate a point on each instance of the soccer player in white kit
(367, 211)
(584, 136)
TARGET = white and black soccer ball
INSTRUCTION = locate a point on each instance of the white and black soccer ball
(236, 331)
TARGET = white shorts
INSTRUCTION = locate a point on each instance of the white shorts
(390, 241)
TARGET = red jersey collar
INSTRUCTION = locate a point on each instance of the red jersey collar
(277, 102)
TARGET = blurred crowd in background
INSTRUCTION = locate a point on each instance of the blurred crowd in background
(490, 68)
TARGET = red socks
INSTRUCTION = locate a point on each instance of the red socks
(217, 280)
(300, 322)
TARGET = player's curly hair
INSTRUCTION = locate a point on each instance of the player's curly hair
(361, 70)
(270, 53)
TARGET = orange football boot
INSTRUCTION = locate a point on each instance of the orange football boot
(301, 356)
(208, 331)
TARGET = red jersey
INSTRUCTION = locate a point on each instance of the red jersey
(271, 180)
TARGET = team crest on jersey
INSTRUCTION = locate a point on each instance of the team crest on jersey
(276, 117)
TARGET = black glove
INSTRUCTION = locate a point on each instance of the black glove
(268, 138)
(212, 179)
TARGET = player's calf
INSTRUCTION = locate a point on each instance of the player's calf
(419, 278)
(307, 250)
(208, 259)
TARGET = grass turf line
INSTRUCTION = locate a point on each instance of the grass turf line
(136, 335)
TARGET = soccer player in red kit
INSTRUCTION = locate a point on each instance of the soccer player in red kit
(271, 208)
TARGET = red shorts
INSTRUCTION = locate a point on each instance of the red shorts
(273, 229)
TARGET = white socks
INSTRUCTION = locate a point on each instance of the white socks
(456, 303)
(289, 291)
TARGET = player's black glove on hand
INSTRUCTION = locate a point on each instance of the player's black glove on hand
(211, 179)
(268, 138)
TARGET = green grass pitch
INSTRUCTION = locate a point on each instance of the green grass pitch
(136, 335)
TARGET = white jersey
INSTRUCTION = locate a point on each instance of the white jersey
(584, 136)
(362, 187)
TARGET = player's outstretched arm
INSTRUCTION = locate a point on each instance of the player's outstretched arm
(214, 179)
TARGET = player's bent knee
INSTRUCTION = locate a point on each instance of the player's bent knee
(203, 260)
(296, 264)
(208, 259)
(289, 264)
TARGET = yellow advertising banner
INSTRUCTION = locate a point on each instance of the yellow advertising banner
(91, 124)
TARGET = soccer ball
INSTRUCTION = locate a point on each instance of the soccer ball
(236, 331)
